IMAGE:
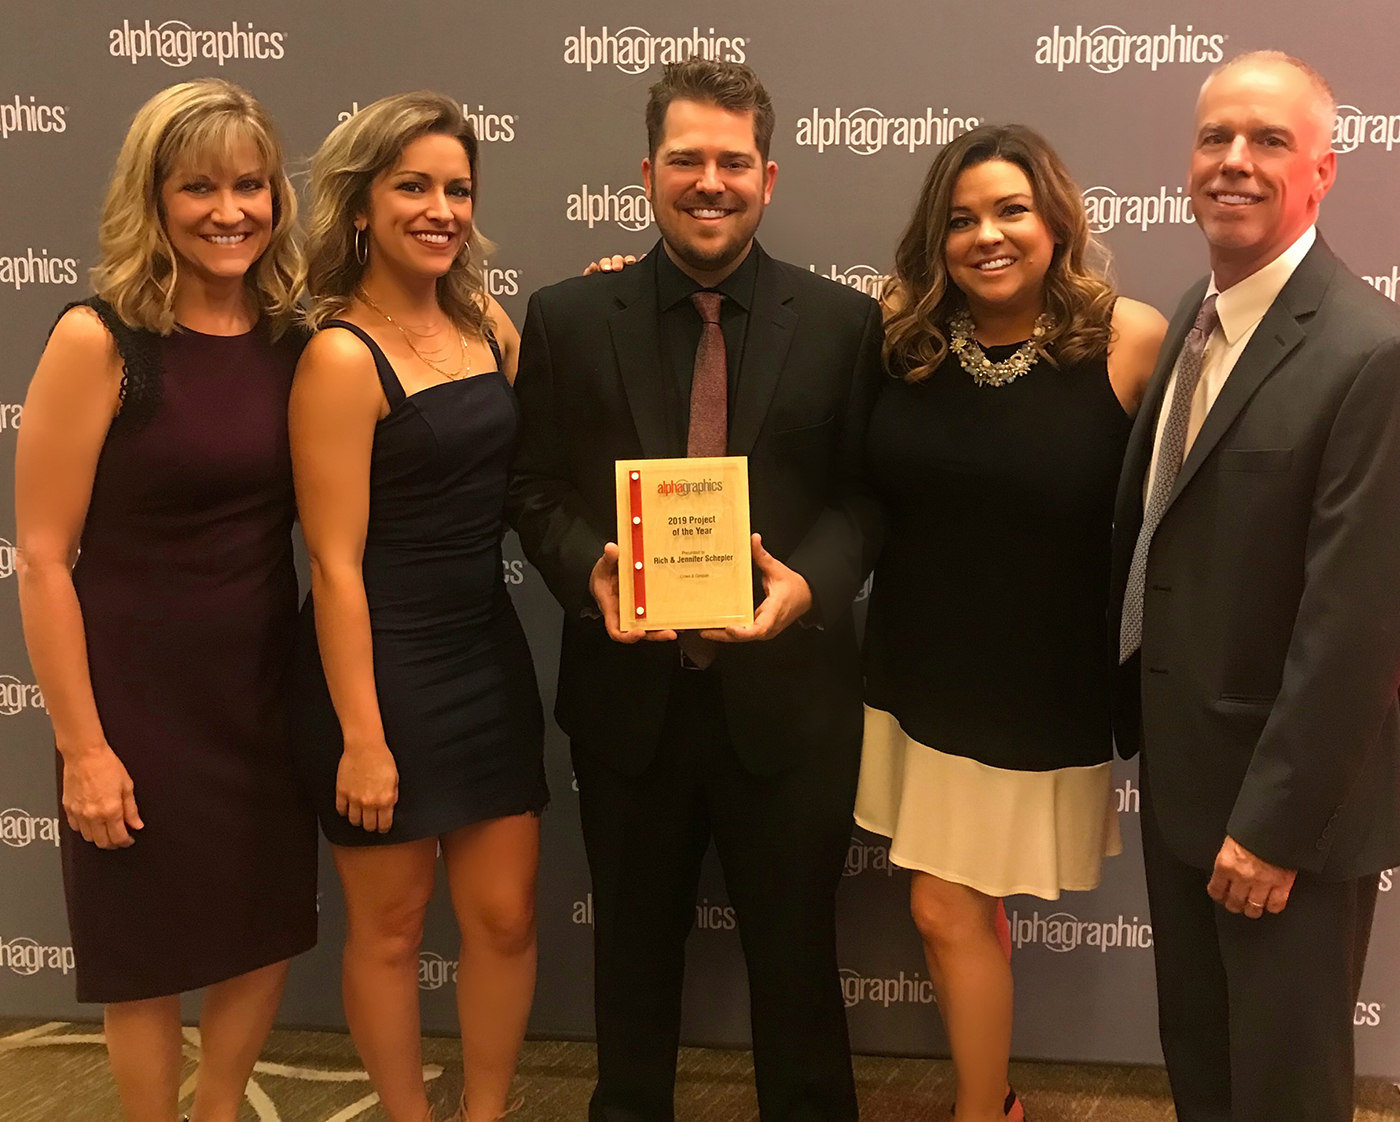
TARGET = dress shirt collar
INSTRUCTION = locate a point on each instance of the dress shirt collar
(1241, 306)
(673, 286)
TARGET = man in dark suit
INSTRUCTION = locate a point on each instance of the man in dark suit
(1257, 593)
(750, 735)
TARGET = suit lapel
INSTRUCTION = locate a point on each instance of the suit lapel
(1138, 455)
(1276, 337)
(771, 325)
(636, 338)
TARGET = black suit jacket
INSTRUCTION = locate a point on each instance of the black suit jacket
(1265, 689)
(593, 389)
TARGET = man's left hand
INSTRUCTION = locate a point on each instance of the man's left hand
(1244, 883)
(786, 598)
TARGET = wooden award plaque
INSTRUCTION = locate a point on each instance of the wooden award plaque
(684, 558)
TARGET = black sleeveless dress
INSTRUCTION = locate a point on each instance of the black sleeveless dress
(456, 685)
(189, 600)
(987, 669)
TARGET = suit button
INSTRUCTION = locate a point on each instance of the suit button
(1161, 588)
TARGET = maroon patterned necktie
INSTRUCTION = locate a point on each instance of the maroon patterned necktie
(708, 434)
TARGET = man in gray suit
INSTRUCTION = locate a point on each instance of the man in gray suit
(1257, 619)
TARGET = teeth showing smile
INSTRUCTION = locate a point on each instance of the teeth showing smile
(995, 263)
(225, 239)
(431, 238)
(1235, 200)
(706, 213)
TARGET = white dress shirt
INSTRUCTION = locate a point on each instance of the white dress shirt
(1240, 308)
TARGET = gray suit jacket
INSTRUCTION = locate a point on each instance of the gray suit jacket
(1264, 696)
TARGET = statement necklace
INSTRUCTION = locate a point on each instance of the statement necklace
(974, 360)
(464, 364)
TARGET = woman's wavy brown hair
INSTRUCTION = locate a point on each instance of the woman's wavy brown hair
(186, 124)
(920, 297)
(342, 171)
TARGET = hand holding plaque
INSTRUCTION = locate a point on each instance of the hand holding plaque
(684, 555)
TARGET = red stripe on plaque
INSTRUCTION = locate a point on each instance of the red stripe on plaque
(639, 574)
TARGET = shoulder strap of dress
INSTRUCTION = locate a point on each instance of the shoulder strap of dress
(393, 390)
(495, 349)
(139, 351)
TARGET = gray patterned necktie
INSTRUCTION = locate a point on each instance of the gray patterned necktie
(709, 425)
(1171, 450)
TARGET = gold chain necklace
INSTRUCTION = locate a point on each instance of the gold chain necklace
(974, 360)
(464, 365)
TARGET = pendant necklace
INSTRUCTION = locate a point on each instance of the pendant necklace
(974, 360)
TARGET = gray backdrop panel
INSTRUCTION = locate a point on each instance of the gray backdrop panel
(864, 97)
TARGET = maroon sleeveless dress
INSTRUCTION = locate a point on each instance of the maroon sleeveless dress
(189, 602)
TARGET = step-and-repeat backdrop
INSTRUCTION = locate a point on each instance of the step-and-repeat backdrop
(865, 95)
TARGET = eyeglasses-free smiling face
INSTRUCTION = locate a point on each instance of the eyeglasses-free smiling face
(420, 210)
(218, 213)
(998, 248)
(1261, 165)
(708, 184)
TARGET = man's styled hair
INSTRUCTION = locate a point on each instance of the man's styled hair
(1324, 100)
(730, 85)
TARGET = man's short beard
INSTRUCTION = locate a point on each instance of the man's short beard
(725, 254)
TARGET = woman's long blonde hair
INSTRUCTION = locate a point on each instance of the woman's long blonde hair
(920, 295)
(342, 171)
(139, 272)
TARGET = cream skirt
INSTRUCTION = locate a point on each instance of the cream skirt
(999, 831)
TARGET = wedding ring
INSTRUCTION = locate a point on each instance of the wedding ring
(1253, 904)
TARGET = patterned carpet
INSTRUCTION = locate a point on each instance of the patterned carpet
(56, 1072)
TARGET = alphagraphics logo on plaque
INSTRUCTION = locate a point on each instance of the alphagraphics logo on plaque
(1355, 128)
(628, 206)
(1108, 48)
(489, 127)
(30, 116)
(1105, 209)
(17, 696)
(866, 131)
(18, 828)
(635, 50)
(176, 43)
(37, 268)
(902, 990)
(1062, 932)
(863, 278)
(25, 957)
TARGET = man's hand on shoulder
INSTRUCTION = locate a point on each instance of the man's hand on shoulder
(1244, 883)
(787, 598)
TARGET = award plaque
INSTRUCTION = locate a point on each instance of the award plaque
(684, 559)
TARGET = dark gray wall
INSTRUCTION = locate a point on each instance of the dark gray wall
(865, 94)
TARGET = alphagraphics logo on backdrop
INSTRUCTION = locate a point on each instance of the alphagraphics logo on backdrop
(18, 828)
(1368, 1014)
(10, 415)
(863, 856)
(502, 282)
(1387, 286)
(1108, 48)
(17, 696)
(628, 206)
(434, 971)
(1355, 128)
(37, 268)
(866, 131)
(1105, 209)
(1062, 932)
(905, 989)
(176, 43)
(708, 916)
(489, 127)
(30, 116)
(1388, 879)
(7, 555)
(863, 278)
(635, 50)
(25, 957)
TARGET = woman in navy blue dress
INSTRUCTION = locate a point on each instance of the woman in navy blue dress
(421, 722)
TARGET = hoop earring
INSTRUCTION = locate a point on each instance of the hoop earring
(361, 247)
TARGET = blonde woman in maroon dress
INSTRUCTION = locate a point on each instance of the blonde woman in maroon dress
(155, 440)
